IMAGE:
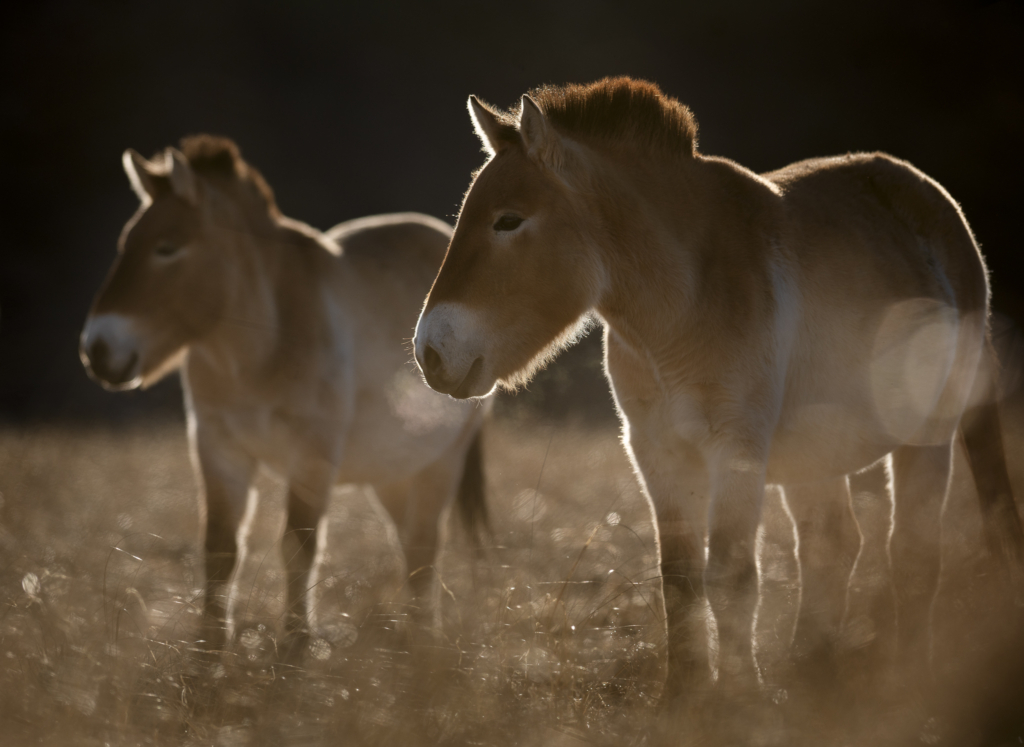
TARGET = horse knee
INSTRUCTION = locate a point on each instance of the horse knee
(221, 549)
(303, 521)
(682, 564)
(730, 580)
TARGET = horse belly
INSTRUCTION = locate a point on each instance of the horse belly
(821, 441)
(847, 406)
(401, 427)
(266, 438)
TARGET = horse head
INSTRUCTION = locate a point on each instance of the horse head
(520, 273)
(167, 287)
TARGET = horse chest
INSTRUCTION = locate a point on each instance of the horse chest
(665, 417)
(650, 404)
(266, 436)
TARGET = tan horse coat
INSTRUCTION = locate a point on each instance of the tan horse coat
(295, 354)
(790, 328)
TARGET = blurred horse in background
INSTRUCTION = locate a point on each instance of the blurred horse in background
(293, 348)
(792, 328)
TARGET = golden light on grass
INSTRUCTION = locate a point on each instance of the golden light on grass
(549, 632)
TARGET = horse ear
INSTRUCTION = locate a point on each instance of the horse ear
(183, 178)
(487, 125)
(140, 174)
(538, 135)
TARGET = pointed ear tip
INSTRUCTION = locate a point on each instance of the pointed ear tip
(176, 155)
(475, 104)
(129, 161)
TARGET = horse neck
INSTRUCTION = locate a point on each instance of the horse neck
(647, 265)
(248, 335)
(678, 222)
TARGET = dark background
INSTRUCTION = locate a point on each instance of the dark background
(356, 109)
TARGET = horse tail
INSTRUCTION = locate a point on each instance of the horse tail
(982, 436)
(470, 501)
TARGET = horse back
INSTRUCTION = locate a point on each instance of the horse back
(895, 226)
(396, 242)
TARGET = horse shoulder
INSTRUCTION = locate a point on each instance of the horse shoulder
(656, 408)
(744, 349)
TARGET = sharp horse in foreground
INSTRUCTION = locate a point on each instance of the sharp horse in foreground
(293, 347)
(791, 328)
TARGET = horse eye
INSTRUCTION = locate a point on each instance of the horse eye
(507, 222)
(166, 249)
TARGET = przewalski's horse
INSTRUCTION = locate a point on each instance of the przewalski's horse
(294, 354)
(789, 328)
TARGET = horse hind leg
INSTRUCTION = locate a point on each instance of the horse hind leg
(868, 630)
(981, 432)
(454, 480)
(828, 541)
(409, 505)
(920, 481)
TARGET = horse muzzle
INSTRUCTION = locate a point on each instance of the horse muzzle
(110, 352)
(449, 354)
(439, 380)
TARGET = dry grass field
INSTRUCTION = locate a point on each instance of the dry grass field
(550, 633)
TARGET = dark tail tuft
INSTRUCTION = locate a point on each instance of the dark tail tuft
(471, 502)
(983, 439)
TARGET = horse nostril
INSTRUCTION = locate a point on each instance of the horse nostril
(432, 363)
(99, 351)
(129, 366)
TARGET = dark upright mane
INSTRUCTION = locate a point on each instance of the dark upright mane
(211, 155)
(611, 109)
(219, 158)
(620, 108)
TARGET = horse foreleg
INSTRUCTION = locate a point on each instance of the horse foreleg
(731, 573)
(677, 487)
(307, 500)
(225, 473)
(920, 482)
